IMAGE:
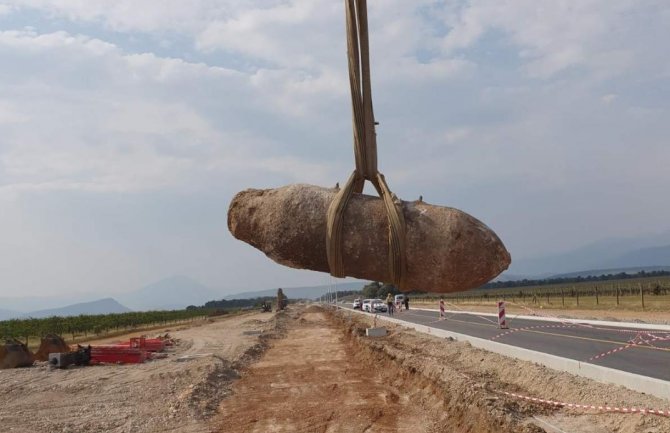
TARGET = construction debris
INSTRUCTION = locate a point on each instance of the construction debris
(51, 343)
(15, 354)
(82, 356)
(135, 351)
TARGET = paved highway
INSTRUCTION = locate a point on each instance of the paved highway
(640, 351)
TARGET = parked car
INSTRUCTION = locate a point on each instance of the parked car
(399, 298)
(366, 306)
(356, 304)
(379, 306)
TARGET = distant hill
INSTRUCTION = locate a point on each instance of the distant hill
(8, 314)
(32, 303)
(169, 294)
(309, 292)
(651, 250)
(102, 306)
(652, 256)
(612, 271)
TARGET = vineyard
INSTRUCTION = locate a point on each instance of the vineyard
(25, 329)
(638, 293)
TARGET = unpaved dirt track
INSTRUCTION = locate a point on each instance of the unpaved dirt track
(158, 396)
(312, 370)
(312, 381)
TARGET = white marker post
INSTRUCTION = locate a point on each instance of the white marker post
(502, 322)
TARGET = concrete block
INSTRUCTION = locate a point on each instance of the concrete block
(375, 332)
(252, 332)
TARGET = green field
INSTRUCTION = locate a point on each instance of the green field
(73, 328)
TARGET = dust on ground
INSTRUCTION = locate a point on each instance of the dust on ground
(179, 393)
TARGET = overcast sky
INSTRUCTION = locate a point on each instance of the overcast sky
(126, 126)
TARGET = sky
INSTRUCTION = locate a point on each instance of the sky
(126, 127)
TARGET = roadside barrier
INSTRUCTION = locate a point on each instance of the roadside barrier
(589, 406)
(502, 323)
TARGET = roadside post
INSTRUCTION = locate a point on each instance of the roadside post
(502, 322)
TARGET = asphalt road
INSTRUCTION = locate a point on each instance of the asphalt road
(648, 356)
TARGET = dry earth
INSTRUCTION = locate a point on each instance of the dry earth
(472, 380)
(169, 394)
(312, 370)
(315, 380)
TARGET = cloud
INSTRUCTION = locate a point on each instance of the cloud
(513, 110)
(551, 37)
(609, 98)
(111, 121)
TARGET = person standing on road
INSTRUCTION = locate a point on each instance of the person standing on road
(406, 302)
(441, 309)
(389, 304)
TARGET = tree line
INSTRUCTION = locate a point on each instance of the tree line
(573, 280)
(379, 290)
(226, 304)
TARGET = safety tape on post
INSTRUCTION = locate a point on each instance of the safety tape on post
(589, 406)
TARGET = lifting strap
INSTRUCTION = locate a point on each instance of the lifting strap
(365, 151)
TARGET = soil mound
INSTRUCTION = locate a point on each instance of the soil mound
(15, 354)
(51, 344)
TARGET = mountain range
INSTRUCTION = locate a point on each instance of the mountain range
(307, 292)
(609, 256)
(610, 253)
(101, 306)
(171, 293)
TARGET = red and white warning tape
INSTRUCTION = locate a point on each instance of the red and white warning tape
(589, 406)
(502, 320)
(527, 328)
(584, 325)
(632, 343)
(609, 352)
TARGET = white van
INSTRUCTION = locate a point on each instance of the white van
(399, 298)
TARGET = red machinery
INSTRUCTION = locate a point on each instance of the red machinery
(117, 354)
(148, 344)
(135, 351)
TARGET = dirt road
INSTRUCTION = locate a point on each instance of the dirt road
(313, 381)
(324, 376)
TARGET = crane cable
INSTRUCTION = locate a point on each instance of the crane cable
(365, 152)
